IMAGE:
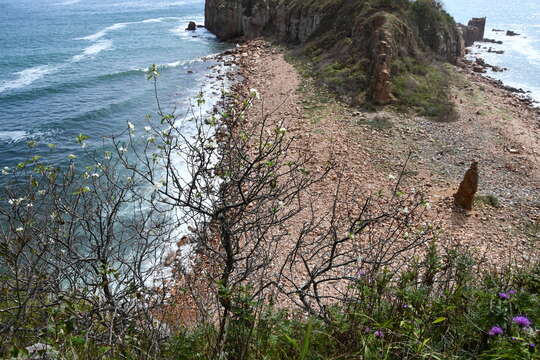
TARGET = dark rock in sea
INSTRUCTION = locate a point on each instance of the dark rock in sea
(511, 33)
(490, 50)
(464, 197)
(493, 41)
(479, 69)
(497, 30)
(192, 26)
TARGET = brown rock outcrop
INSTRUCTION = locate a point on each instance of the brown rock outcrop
(382, 86)
(464, 197)
(473, 31)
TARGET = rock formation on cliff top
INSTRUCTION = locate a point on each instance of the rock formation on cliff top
(355, 43)
(473, 31)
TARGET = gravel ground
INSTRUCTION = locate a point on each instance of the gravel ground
(370, 148)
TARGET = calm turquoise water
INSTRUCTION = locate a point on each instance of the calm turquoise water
(522, 53)
(77, 66)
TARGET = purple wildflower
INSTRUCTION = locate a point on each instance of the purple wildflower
(522, 321)
(504, 296)
(511, 292)
(532, 347)
(379, 334)
(495, 330)
(361, 273)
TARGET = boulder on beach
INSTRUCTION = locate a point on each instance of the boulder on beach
(511, 33)
(192, 26)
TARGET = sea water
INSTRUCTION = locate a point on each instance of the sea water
(521, 53)
(73, 67)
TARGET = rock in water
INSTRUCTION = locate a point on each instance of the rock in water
(467, 189)
(191, 26)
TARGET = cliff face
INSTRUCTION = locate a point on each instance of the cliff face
(359, 39)
(230, 19)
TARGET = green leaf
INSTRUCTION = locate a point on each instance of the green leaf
(78, 340)
(81, 138)
(307, 341)
(439, 320)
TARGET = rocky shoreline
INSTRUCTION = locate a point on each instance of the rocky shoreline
(479, 66)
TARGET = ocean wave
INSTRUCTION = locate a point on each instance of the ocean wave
(121, 74)
(101, 33)
(26, 77)
(93, 50)
(104, 32)
(148, 4)
(191, 36)
(12, 136)
(526, 46)
(68, 2)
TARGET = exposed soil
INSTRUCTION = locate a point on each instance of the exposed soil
(370, 148)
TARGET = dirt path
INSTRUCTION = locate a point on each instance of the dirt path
(369, 150)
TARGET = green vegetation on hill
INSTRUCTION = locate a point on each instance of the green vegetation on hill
(421, 37)
(442, 308)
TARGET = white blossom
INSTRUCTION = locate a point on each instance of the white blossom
(19, 229)
(255, 93)
(72, 156)
(122, 149)
(147, 128)
(131, 126)
(15, 201)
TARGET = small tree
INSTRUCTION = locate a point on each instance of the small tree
(79, 256)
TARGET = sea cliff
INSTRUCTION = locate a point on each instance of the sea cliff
(359, 46)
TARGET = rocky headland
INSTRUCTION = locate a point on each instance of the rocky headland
(367, 85)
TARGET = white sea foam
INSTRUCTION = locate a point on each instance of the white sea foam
(69, 2)
(153, 20)
(526, 46)
(147, 4)
(101, 33)
(12, 136)
(104, 32)
(93, 50)
(26, 77)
